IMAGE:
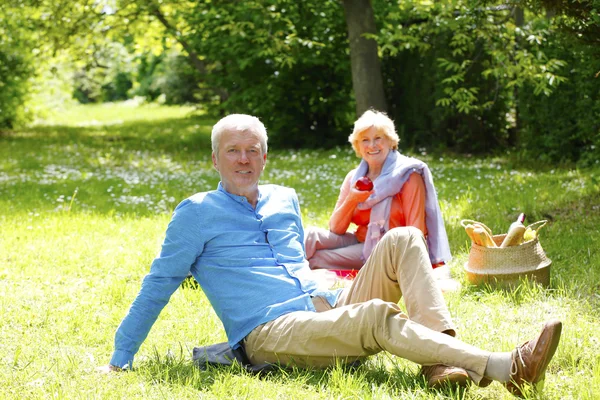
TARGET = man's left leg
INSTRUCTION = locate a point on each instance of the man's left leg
(400, 266)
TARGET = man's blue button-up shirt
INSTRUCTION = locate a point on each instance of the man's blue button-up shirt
(249, 262)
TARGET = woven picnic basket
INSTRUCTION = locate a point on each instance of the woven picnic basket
(508, 265)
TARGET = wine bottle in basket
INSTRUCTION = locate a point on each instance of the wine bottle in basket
(514, 236)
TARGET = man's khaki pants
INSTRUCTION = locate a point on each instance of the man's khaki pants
(367, 319)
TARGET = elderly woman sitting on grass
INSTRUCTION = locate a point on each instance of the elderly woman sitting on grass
(401, 194)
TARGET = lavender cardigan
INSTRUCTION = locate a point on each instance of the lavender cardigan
(396, 171)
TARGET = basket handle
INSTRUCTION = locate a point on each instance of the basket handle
(466, 222)
(535, 227)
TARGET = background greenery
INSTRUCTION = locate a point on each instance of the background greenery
(500, 98)
(473, 76)
(84, 203)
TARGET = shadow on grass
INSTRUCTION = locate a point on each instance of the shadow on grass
(174, 136)
(518, 292)
(339, 380)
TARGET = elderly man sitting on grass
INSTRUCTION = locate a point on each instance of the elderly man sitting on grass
(243, 243)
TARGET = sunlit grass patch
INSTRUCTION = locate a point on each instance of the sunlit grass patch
(106, 114)
(83, 211)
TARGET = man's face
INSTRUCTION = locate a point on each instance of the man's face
(240, 162)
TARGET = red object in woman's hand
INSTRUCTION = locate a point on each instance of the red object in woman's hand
(364, 184)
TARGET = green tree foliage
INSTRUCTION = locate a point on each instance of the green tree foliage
(178, 81)
(17, 55)
(148, 65)
(107, 75)
(564, 125)
(32, 33)
(580, 17)
(454, 68)
(471, 75)
(15, 70)
(284, 61)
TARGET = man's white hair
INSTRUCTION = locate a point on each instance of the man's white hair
(240, 123)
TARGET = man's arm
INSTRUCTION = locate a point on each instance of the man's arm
(180, 249)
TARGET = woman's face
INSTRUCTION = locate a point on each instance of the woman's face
(374, 146)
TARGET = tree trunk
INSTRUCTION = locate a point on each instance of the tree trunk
(367, 80)
(513, 134)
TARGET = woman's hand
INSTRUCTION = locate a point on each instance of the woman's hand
(346, 204)
(356, 196)
(342, 215)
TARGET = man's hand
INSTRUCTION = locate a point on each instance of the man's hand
(107, 369)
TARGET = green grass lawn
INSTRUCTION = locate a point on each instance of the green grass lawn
(85, 201)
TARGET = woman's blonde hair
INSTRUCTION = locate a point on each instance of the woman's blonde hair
(379, 121)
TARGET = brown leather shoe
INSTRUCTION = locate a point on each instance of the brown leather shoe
(484, 382)
(439, 375)
(530, 360)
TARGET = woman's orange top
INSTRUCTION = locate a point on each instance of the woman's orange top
(408, 208)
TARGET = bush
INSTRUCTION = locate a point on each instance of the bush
(15, 71)
(564, 125)
(118, 88)
(412, 90)
(144, 85)
(176, 79)
(108, 76)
